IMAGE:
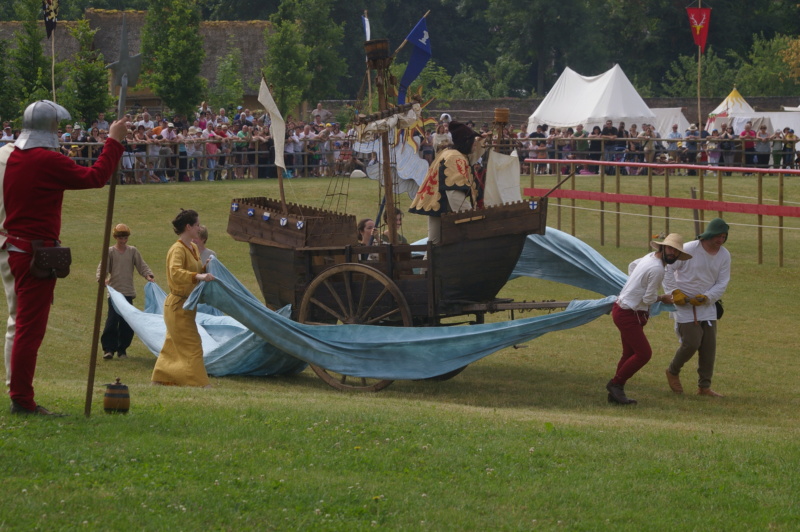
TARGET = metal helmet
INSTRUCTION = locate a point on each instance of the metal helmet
(40, 125)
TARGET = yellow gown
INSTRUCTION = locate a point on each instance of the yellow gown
(180, 361)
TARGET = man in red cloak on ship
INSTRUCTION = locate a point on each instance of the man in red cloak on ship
(33, 178)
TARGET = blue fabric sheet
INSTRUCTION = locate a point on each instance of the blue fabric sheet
(560, 257)
(377, 351)
(253, 340)
(228, 347)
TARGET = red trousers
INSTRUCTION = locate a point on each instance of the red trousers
(34, 298)
(636, 351)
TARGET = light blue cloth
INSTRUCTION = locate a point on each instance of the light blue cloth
(228, 347)
(560, 257)
(253, 340)
(378, 351)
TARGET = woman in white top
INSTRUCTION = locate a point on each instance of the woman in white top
(441, 138)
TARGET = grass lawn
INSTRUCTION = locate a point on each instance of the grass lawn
(523, 439)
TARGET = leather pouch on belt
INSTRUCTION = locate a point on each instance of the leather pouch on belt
(50, 262)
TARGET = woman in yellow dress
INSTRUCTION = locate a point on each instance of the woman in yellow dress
(180, 362)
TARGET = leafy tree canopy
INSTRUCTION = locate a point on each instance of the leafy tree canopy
(173, 53)
(514, 48)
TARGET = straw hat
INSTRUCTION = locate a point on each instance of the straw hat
(673, 240)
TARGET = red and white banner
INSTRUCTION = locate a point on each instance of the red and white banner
(699, 18)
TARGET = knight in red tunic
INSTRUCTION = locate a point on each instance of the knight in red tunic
(33, 178)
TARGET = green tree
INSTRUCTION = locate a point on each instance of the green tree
(717, 76)
(468, 85)
(228, 88)
(239, 9)
(286, 67)
(29, 66)
(9, 105)
(763, 70)
(173, 53)
(434, 80)
(323, 37)
(506, 77)
(85, 92)
(533, 32)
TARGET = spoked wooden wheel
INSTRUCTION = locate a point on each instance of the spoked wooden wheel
(353, 293)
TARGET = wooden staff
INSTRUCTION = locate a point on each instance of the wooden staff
(126, 73)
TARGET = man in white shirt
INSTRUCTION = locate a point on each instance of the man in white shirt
(696, 286)
(102, 123)
(8, 134)
(632, 311)
(146, 122)
(672, 147)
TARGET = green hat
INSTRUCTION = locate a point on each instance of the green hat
(715, 227)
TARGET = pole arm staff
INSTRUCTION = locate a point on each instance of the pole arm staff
(126, 72)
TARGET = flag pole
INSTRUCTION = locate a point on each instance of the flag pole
(699, 56)
(402, 44)
(53, 63)
(369, 78)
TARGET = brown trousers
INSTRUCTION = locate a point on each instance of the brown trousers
(700, 338)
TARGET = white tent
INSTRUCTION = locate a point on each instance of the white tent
(736, 111)
(666, 117)
(733, 105)
(591, 100)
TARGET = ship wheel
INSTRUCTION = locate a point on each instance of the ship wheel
(353, 293)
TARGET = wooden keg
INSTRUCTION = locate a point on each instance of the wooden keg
(117, 400)
(501, 115)
(377, 49)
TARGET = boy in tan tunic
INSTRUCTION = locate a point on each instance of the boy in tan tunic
(122, 259)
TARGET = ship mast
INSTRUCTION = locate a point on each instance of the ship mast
(378, 59)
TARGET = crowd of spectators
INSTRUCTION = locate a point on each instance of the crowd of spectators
(719, 147)
(215, 145)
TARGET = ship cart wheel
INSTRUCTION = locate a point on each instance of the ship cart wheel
(353, 293)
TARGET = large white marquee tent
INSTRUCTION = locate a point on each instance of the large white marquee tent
(591, 100)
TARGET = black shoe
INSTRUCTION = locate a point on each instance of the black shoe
(38, 411)
(616, 394)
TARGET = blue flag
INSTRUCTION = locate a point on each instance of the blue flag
(420, 55)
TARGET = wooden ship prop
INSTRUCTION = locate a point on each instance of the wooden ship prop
(309, 257)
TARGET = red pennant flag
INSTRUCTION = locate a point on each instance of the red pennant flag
(699, 18)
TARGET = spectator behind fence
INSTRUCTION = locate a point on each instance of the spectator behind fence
(212, 148)
(748, 138)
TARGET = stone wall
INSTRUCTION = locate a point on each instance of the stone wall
(247, 36)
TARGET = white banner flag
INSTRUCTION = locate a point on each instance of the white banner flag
(278, 126)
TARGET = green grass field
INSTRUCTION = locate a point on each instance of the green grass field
(523, 439)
